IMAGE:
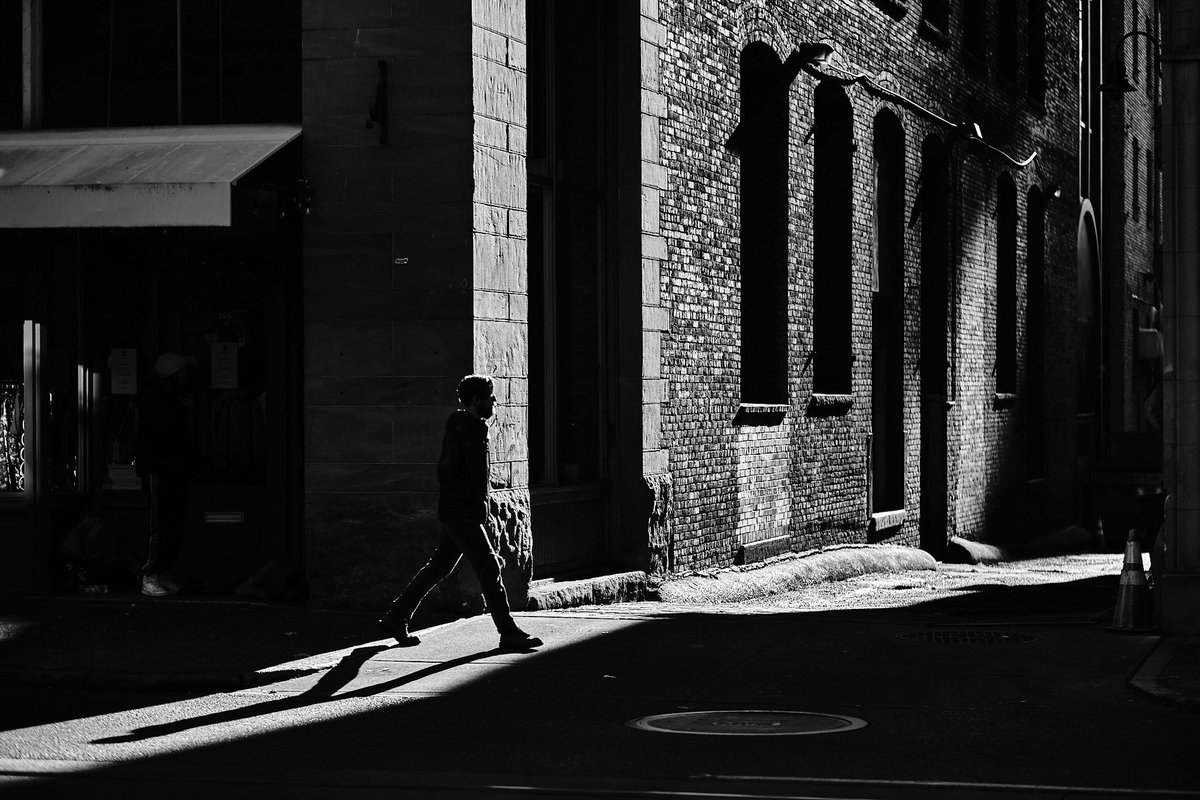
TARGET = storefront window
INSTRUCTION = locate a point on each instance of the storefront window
(12, 391)
(60, 366)
(12, 448)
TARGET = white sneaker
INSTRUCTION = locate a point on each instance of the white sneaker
(152, 587)
(168, 584)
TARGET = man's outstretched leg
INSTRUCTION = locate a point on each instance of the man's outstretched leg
(475, 545)
(440, 565)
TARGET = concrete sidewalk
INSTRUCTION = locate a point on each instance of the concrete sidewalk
(1005, 690)
(131, 642)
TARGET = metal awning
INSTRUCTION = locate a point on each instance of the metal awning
(129, 177)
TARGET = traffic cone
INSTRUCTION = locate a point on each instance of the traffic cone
(1133, 612)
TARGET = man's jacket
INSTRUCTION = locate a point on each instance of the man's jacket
(463, 470)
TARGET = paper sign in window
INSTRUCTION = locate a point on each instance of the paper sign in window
(123, 364)
(224, 365)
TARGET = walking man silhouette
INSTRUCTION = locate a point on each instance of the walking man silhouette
(462, 472)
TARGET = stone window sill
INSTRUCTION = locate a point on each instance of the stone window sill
(1004, 400)
(760, 413)
(896, 9)
(829, 405)
(886, 520)
(931, 33)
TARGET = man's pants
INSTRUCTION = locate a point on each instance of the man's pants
(168, 504)
(459, 539)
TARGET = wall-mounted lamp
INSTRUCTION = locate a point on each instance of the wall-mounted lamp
(967, 130)
(813, 57)
(818, 54)
(809, 56)
(1054, 191)
(1119, 83)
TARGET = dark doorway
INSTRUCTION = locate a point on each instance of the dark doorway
(571, 222)
(887, 319)
(935, 247)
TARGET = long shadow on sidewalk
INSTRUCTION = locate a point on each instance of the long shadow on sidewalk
(1016, 712)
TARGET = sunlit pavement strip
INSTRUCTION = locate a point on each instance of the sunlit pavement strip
(376, 675)
(373, 675)
(222, 717)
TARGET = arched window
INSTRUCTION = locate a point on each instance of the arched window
(1035, 334)
(833, 205)
(974, 33)
(1006, 285)
(887, 318)
(1006, 43)
(761, 140)
(936, 15)
(1135, 189)
(932, 204)
(1036, 64)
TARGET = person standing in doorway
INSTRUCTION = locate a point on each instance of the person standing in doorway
(164, 460)
(463, 479)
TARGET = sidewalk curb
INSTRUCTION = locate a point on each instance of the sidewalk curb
(727, 584)
(1072, 539)
(792, 571)
(622, 586)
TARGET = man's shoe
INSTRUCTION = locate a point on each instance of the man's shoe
(399, 632)
(171, 586)
(152, 587)
(519, 640)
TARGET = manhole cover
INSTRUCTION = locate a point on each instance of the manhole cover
(747, 723)
(967, 637)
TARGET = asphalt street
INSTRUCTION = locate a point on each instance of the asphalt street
(979, 681)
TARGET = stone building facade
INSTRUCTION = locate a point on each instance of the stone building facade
(738, 299)
(751, 276)
(800, 472)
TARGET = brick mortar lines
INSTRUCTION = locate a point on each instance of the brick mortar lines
(824, 458)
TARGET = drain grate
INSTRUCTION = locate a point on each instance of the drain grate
(747, 723)
(967, 637)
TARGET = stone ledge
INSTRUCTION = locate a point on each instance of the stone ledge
(896, 9)
(1072, 539)
(829, 405)
(791, 571)
(603, 590)
(886, 520)
(1004, 400)
(760, 414)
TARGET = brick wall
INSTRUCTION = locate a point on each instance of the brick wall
(1132, 226)
(415, 272)
(738, 480)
